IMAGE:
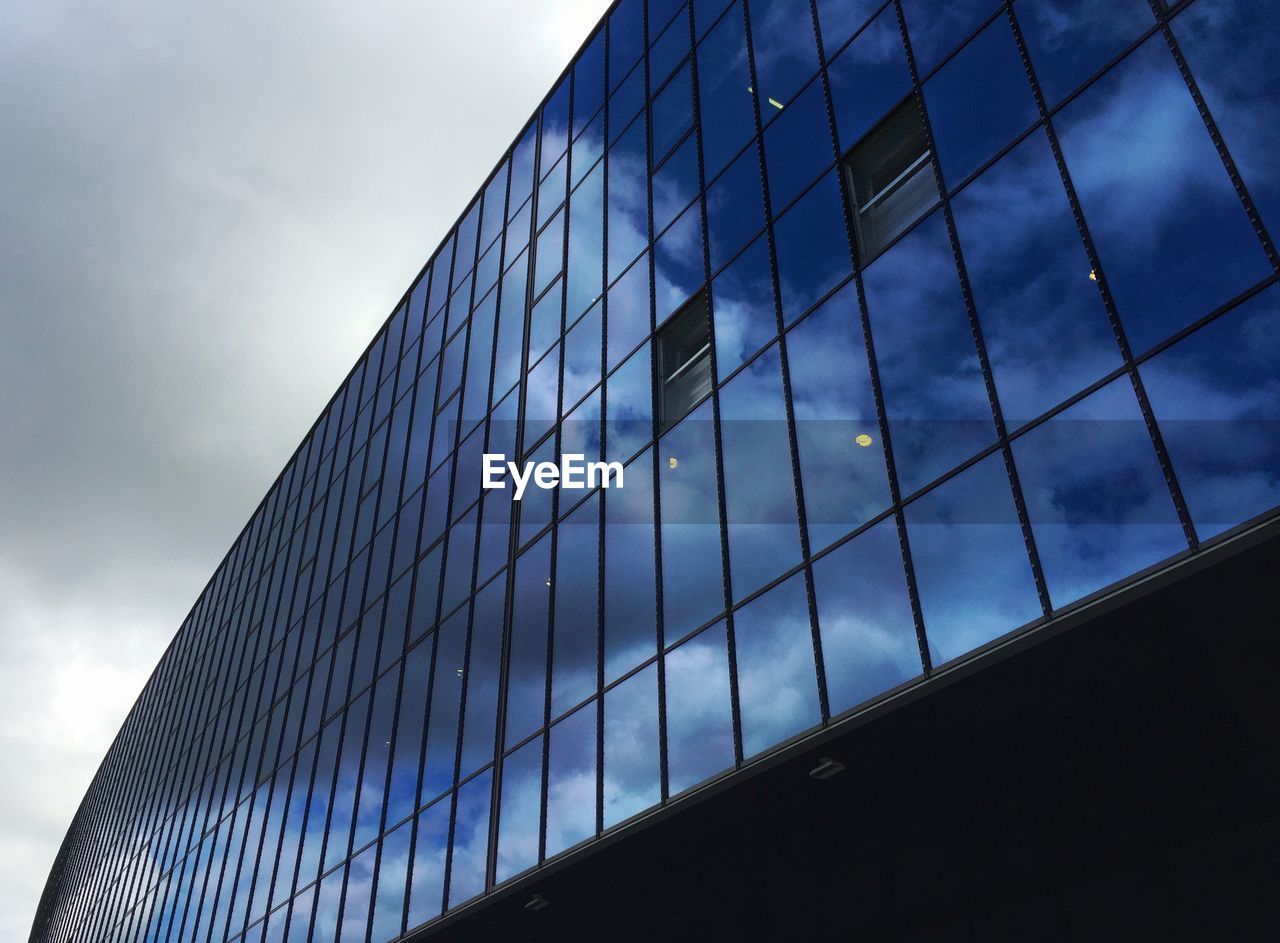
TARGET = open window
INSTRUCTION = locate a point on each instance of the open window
(684, 360)
(891, 178)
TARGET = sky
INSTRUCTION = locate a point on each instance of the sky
(206, 210)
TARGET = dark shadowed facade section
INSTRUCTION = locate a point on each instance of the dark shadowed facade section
(931, 334)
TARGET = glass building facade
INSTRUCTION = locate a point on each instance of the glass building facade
(916, 324)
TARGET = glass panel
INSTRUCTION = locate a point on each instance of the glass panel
(630, 608)
(813, 248)
(588, 83)
(535, 506)
(797, 146)
(625, 102)
(672, 113)
(468, 865)
(341, 809)
(971, 564)
(632, 770)
(699, 717)
(684, 360)
(1095, 494)
(520, 820)
(864, 613)
(679, 268)
(839, 19)
(742, 299)
(576, 636)
(626, 38)
(1070, 40)
(842, 459)
(628, 199)
(628, 315)
(506, 371)
(760, 494)
(583, 353)
(355, 905)
(483, 665)
(542, 394)
(1216, 397)
(373, 778)
(629, 407)
(979, 102)
(934, 393)
(550, 253)
(446, 693)
(777, 682)
(544, 325)
(527, 674)
(786, 50)
(724, 92)
(675, 184)
(937, 26)
(393, 872)
(870, 77)
(555, 126)
(1045, 327)
(691, 564)
(735, 208)
(426, 884)
(586, 244)
(669, 48)
(402, 798)
(1143, 165)
(571, 781)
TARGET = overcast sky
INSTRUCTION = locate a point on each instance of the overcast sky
(205, 212)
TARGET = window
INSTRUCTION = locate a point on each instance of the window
(684, 359)
(891, 178)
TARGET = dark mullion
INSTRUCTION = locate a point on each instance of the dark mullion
(997, 414)
(1104, 288)
(1242, 191)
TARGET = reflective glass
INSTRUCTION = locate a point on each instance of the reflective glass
(1143, 164)
(571, 781)
(1216, 397)
(672, 113)
(630, 603)
(1043, 321)
(544, 325)
(760, 494)
(527, 674)
(797, 146)
(588, 83)
(625, 103)
(426, 884)
(576, 636)
(520, 814)
(675, 183)
(629, 407)
(839, 19)
(628, 315)
(864, 616)
(699, 717)
(555, 126)
(678, 263)
(469, 863)
(1070, 40)
(583, 352)
(970, 561)
(934, 394)
(626, 38)
(373, 777)
(402, 796)
(786, 50)
(1230, 45)
(692, 589)
(446, 695)
(842, 459)
(813, 248)
(936, 27)
(628, 199)
(1095, 494)
(669, 48)
(743, 308)
(777, 681)
(549, 257)
(356, 902)
(632, 770)
(735, 208)
(392, 877)
(542, 396)
(724, 91)
(482, 677)
(979, 102)
(586, 244)
(870, 77)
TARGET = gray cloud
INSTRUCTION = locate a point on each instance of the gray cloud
(205, 212)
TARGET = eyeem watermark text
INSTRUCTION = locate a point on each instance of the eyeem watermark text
(574, 471)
